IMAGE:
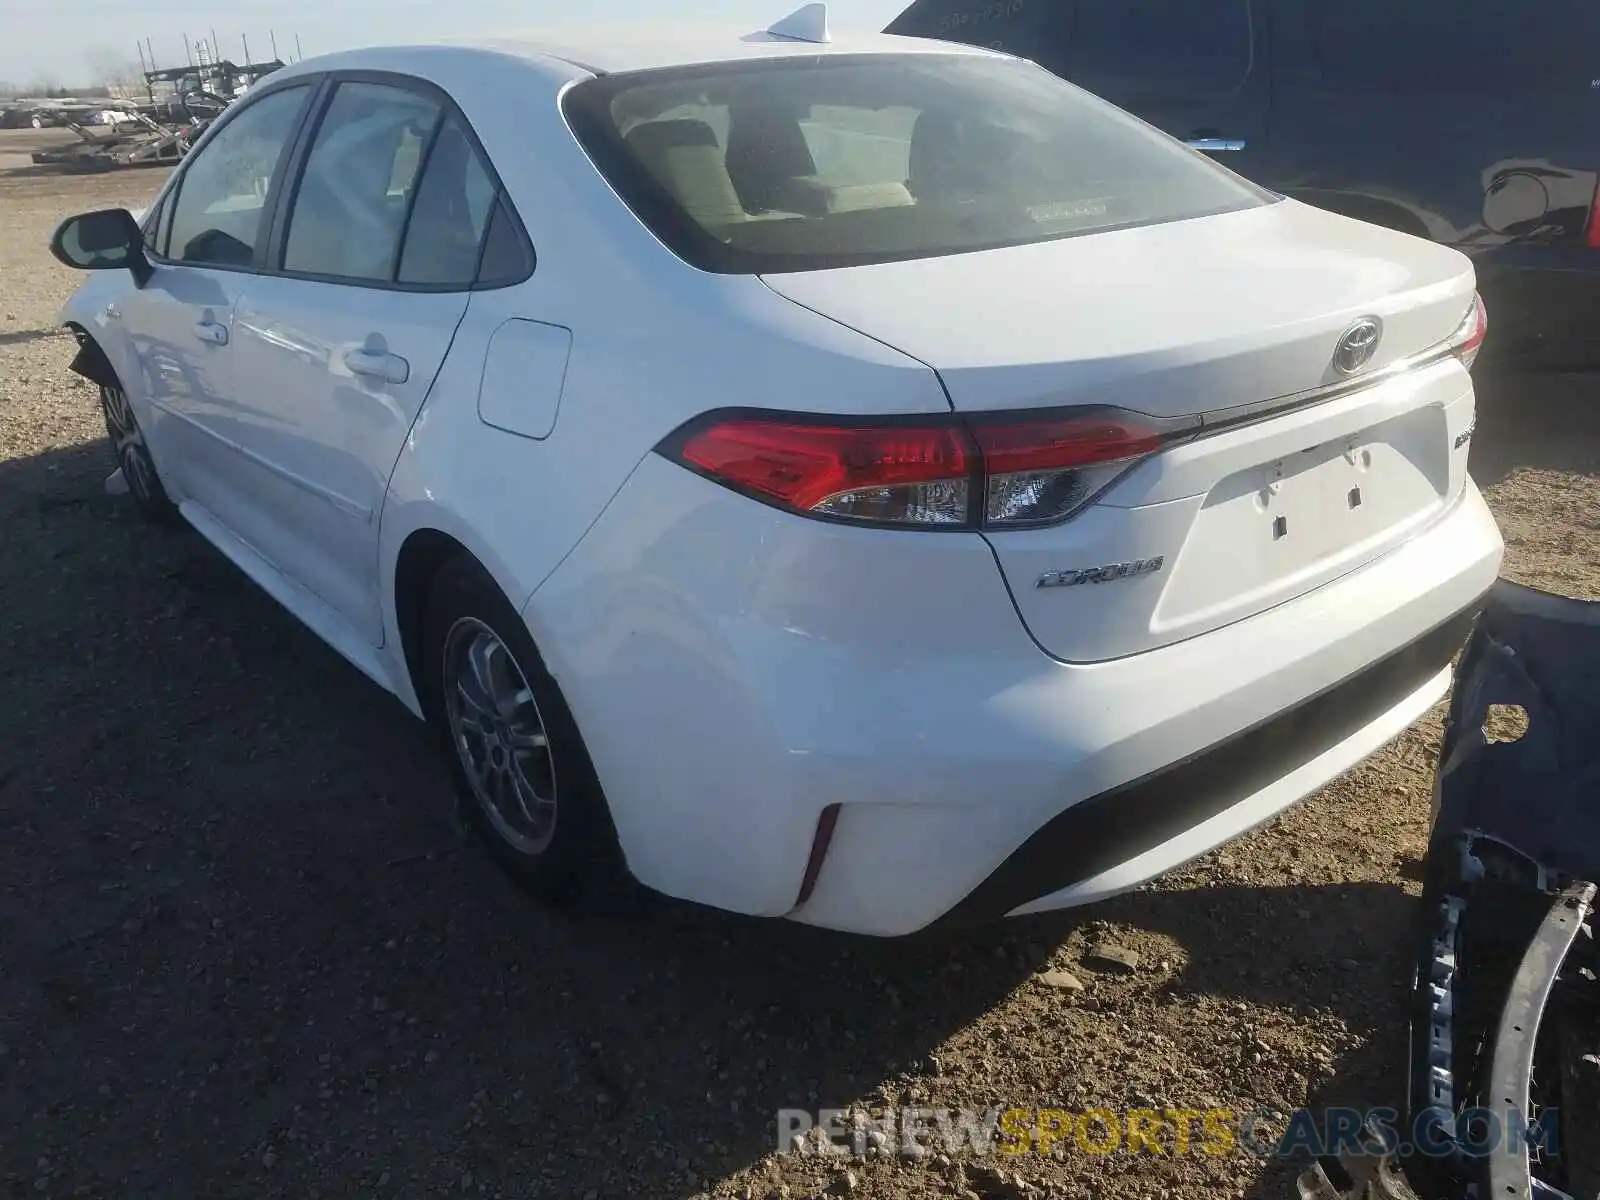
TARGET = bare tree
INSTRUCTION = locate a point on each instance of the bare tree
(112, 70)
(46, 85)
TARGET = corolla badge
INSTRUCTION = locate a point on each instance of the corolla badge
(1357, 345)
(1106, 574)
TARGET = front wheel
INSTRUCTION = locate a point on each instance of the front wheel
(514, 751)
(133, 456)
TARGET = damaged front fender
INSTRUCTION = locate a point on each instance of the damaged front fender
(90, 361)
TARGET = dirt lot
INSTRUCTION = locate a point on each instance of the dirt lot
(245, 952)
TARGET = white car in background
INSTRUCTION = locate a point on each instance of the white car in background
(865, 480)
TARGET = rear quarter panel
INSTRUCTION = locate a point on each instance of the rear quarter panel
(654, 343)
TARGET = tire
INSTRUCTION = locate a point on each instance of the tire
(521, 771)
(132, 456)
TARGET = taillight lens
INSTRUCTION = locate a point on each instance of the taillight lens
(992, 471)
(903, 475)
(1468, 340)
(1038, 472)
(1592, 234)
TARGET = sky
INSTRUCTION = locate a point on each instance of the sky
(72, 42)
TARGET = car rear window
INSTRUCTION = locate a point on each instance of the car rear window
(804, 164)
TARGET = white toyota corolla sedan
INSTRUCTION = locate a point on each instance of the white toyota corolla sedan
(871, 482)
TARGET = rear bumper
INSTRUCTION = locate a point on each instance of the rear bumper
(1212, 737)
(728, 700)
(1135, 831)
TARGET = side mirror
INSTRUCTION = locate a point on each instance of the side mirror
(109, 239)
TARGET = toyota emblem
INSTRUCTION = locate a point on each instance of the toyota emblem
(1357, 345)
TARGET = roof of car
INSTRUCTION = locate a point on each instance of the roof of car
(642, 46)
(577, 50)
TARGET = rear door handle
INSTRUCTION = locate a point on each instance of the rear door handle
(211, 331)
(378, 364)
(1216, 145)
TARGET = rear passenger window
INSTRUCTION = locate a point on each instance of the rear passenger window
(1498, 46)
(355, 191)
(507, 258)
(1182, 49)
(454, 201)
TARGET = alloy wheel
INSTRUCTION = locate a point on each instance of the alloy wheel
(127, 442)
(499, 735)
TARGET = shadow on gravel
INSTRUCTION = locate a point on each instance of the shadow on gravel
(248, 953)
(18, 336)
(1338, 949)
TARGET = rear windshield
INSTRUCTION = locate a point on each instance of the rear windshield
(807, 163)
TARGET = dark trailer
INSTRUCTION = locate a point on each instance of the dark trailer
(1468, 122)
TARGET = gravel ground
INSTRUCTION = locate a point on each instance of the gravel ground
(244, 950)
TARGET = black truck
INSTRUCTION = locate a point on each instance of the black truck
(1475, 123)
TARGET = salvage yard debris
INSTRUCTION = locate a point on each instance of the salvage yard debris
(182, 104)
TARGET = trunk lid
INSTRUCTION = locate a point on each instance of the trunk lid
(1195, 318)
(1171, 319)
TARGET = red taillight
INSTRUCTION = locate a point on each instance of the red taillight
(1592, 234)
(1468, 340)
(803, 465)
(996, 471)
(1041, 471)
(1065, 442)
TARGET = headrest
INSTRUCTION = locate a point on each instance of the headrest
(670, 135)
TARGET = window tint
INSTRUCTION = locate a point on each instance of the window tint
(506, 256)
(223, 193)
(1186, 49)
(351, 204)
(451, 211)
(843, 161)
(1491, 45)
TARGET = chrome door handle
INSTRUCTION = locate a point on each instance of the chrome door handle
(210, 331)
(1215, 145)
(378, 364)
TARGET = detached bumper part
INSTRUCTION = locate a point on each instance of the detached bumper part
(1501, 997)
(1516, 1040)
(1505, 1028)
